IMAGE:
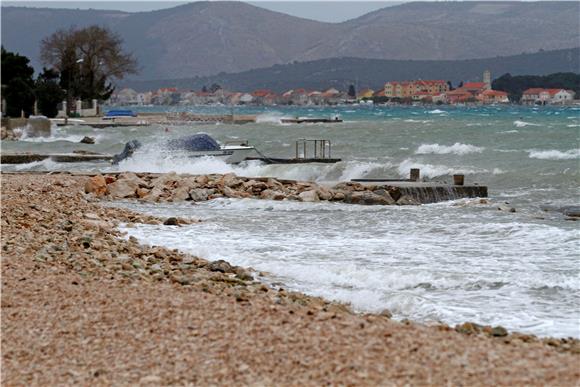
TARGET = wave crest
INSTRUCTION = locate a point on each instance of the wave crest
(457, 148)
(554, 154)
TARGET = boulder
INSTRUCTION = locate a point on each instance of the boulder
(200, 194)
(202, 179)
(165, 180)
(87, 140)
(96, 185)
(366, 198)
(142, 192)
(220, 266)
(229, 180)
(271, 194)
(189, 183)
(349, 186)
(230, 193)
(123, 188)
(338, 195)
(254, 186)
(324, 193)
(309, 196)
(506, 208)
(385, 194)
(275, 184)
(407, 200)
(134, 178)
(172, 221)
(154, 195)
(180, 194)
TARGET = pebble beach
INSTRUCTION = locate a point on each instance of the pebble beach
(83, 304)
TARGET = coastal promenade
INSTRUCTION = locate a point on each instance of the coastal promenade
(81, 304)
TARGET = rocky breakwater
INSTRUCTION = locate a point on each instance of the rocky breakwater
(172, 187)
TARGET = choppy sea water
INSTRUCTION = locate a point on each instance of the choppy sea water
(450, 262)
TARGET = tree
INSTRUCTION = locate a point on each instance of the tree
(516, 85)
(351, 91)
(17, 84)
(214, 87)
(48, 93)
(89, 60)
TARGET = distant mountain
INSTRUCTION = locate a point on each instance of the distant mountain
(373, 73)
(206, 38)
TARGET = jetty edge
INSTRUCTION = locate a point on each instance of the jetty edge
(173, 187)
(75, 291)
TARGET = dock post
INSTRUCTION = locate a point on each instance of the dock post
(415, 174)
(458, 179)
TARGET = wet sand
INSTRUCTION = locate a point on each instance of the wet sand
(83, 305)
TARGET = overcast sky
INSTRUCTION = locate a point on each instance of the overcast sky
(330, 11)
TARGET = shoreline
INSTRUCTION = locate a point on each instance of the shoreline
(73, 288)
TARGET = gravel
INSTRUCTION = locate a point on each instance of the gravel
(81, 304)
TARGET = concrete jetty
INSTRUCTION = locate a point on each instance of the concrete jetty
(25, 158)
(432, 192)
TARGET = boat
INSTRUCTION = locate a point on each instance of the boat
(308, 120)
(197, 145)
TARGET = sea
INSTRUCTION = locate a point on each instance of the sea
(448, 262)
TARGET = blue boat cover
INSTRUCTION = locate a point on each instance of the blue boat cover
(196, 142)
(120, 113)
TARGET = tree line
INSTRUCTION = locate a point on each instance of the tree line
(82, 64)
(516, 85)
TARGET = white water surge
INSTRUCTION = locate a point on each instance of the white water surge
(451, 262)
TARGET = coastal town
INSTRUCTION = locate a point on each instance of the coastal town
(393, 92)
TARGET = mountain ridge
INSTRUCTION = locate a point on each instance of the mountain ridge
(372, 73)
(206, 38)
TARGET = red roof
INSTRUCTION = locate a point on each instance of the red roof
(553, 91)
(168, 90)
(534, 90)
(495, 93)
(261, 93)
(474, 85)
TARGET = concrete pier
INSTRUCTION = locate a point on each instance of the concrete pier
(425, 193)
(25, 158)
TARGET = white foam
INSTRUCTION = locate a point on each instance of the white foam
(467, 266)
(457, 148)
(273, 117)
(437, 111)
(554, 154)
(418, 121)
(521, 124)
(431, 171)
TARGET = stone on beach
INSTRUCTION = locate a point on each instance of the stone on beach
(123, 188)
(309, 196)
(367, 198)
(96, 185)
(87, 140)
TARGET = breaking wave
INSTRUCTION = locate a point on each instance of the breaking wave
(554, 154)
(457, 148)
(521, 124)
(431, 171)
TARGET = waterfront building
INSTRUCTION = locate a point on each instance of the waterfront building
(416, 90)
(541, 96)
(492, 96)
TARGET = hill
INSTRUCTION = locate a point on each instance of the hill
(341, 72)
(205, 38)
